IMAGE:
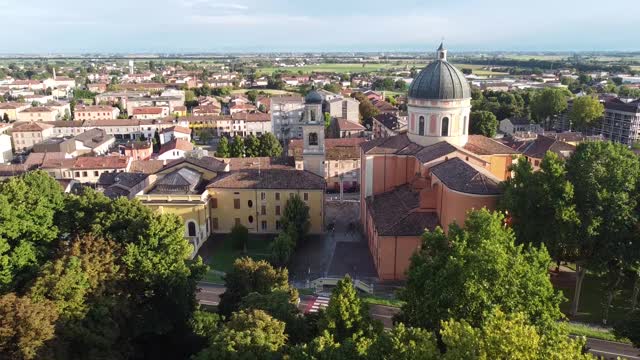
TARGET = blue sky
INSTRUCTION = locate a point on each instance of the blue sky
(74, 26)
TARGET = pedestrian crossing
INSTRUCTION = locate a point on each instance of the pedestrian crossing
(320, 302)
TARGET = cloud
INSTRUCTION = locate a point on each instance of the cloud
(251, 20)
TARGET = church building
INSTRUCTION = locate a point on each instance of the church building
(430, 176)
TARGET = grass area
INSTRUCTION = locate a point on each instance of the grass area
(306, 291)
(213, 277)
(224, 255)
(375, 300)
(591, 300)
(594, 332)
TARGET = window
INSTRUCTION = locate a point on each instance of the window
(278, 225)
(250, 219)
(421, 125)
(96, 173)
(84, 174)
(445, 126)
(291, 195)
(76, 174)
(277, 209)
(250, 203)
(263, 225)
(236, 203)
(191, 228)
(214, 203)
(313, 116)
(263, 196)
(313, 138)
(277, 196)
(536, 163)
(237, 221)
(306, 196)
(263, 210)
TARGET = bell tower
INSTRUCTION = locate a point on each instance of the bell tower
(313, 153)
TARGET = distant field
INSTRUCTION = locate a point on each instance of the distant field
(536, 57)
(341, 68)
(358, 68)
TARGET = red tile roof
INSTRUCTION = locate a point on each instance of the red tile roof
(103, 162)
(147, 110)
(176, 144)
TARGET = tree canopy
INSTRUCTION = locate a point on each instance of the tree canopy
(483, 123)
(469, 271)
(585, 110)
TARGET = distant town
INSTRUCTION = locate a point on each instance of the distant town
(292, 206)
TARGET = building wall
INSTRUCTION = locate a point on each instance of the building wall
(621, 126)
(452, 206)
(6, 154)
(286, 114)
(226, 214)
(24, 140)
(38, 116)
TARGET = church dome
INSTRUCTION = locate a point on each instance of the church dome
(440, 81)
(313, 97)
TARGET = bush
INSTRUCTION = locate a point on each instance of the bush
(281, 249)
(239, 237)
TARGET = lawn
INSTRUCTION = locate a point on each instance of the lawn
(213, 277)
(376, 300)
(222, 254)
(594, 332)
(591, 300)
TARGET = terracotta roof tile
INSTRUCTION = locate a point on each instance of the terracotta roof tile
(460, 176)
(268, 179)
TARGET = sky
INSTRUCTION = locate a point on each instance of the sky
(187, 26)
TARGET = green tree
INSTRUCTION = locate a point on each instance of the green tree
(156, 142)
(239, 236)
(281, 249)
(25, 326)
(629, 328)
(252, 146)
(547, 103)
(402, 343)
(247, 335)
(505, 336)
(327, 120)
(367, 110)
(236, 150)
(269, 145)
(280, 305)
(467, 272)
(223, 148)
(28, 207)
(483, 123)
(541, 206)
(606, 179)
(295, 218)
(346, 316)
(585, 110)
(249, 276)
(5, 117)
(332, 87)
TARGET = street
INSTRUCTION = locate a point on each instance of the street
(209, 294)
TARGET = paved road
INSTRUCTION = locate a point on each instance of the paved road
(210, 295)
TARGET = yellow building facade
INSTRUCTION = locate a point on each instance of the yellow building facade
(211, 199)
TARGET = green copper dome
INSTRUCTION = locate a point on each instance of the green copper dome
(440, 81)
(313, 97)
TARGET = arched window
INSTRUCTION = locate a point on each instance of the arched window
(313, 116)
(421, 125)
(445, 126)
(191, 228)
(313, 139)
(464, 126)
